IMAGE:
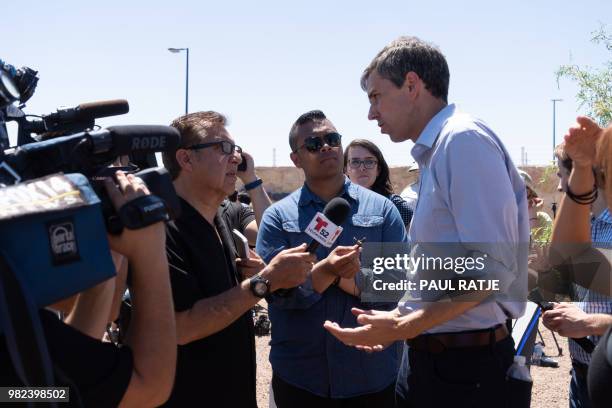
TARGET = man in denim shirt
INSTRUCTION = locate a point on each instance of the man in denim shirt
(310, 366)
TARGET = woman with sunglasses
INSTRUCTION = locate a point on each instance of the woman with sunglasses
(365, 165)
(590, 148)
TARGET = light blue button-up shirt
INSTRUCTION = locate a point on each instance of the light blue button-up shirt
(471, 193)
(302, 352)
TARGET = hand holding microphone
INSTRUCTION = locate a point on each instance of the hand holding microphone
(289, 268)
(325, 229)
(343, 262)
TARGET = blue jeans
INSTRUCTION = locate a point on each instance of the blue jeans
(578, 392)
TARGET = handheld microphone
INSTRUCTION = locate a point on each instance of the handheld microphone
(334, 213)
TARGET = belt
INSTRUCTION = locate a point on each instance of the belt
(437, 343)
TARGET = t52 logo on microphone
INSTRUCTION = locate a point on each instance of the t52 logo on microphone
(323, 230)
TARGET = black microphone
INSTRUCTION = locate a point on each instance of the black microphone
(85, 112)
(102, 109)
(69, 120)
(142, 138)
(87, 152)
(336, 211)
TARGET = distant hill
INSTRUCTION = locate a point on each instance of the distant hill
(280, 181)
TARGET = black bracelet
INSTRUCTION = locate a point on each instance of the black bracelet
(583, 199)
(253, 184)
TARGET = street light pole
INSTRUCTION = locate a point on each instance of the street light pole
(554, 101)
(187, 82)
(176, 51)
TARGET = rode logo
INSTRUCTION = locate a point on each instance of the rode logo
(142, 143)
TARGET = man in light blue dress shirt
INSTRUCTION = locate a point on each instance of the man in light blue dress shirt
(471, 197)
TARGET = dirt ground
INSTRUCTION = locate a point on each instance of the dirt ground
(550, 385)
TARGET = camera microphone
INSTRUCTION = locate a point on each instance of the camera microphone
(88, 152)
(85, 112)
(69, 120)
(142, 138)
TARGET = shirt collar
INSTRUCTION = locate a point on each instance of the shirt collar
(430, 133)
(605, 216)
(349, 191)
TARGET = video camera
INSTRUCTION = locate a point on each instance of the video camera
(92, 153)
(54, 209)
(57, 148)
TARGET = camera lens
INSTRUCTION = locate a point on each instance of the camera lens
(8, 90)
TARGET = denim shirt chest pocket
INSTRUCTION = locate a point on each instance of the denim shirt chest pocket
(368, 226)
(294, 233)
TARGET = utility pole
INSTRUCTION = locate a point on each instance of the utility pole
(554, 101)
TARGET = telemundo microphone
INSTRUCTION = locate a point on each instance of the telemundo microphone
(324, 229)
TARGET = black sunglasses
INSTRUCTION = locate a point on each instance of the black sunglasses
(315, 143)
(226, 147)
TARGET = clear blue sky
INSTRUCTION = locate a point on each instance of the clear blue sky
(263, 63)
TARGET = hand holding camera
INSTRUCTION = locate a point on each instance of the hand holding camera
(132, 242)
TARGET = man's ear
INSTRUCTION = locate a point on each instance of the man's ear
(295, 158)
(183, 159)
(411, 81)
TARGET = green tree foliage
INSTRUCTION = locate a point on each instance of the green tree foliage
(595, 85)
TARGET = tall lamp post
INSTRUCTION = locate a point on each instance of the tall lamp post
(176, 51)
(554, 101)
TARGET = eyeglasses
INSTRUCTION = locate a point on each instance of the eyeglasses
(226, 147)
(315, 143)
(367, 163)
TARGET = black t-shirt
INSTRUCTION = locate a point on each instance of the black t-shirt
(100, 371)
(403, 208)
(219, 370)
(237, 215)
(600, 372)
